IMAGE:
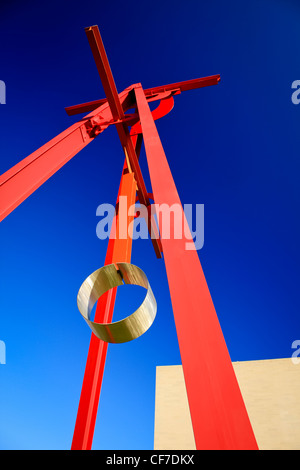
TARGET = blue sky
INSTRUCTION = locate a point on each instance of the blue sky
(233, 147)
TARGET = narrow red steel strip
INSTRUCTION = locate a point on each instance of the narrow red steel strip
(219, 416)
(186, 85)
(119, 250)
(129, 150)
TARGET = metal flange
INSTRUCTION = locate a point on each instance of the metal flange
(99, 282)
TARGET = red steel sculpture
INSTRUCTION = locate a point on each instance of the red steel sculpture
(218, 413)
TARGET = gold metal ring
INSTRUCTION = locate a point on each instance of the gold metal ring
(99, 282)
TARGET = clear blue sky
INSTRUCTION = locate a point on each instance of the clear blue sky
(234, 148)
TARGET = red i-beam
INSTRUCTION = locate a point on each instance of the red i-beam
(218, 413)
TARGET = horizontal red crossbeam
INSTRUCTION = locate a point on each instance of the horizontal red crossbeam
(182, 86)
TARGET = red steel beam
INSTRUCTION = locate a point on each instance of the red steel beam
(115, 104)
(218, 413)
(183, 86)
(118, 250)
(113, 99)
(20, 181)
(186, 85)
(101, 60)
(84, 107)
(25, 177)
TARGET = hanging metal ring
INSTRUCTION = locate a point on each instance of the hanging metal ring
(99, 282)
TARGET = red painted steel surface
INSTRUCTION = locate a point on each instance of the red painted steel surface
(182, 86)
(25, 177)
(165, 106)
(100, 57)
(219, 416)
(119, 250)
(115, 104)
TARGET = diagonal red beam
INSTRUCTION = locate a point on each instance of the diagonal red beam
(115, 104)
(113, 99)
(218, 413)
(20, 181)
(104, 70)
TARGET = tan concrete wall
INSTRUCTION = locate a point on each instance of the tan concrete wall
(173, 426)
(271, 391)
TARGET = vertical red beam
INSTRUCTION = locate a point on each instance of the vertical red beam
(219, 416)
(119, 250)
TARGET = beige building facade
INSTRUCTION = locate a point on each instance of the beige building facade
(271, 392)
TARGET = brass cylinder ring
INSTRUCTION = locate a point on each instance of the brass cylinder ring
(104, 279)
